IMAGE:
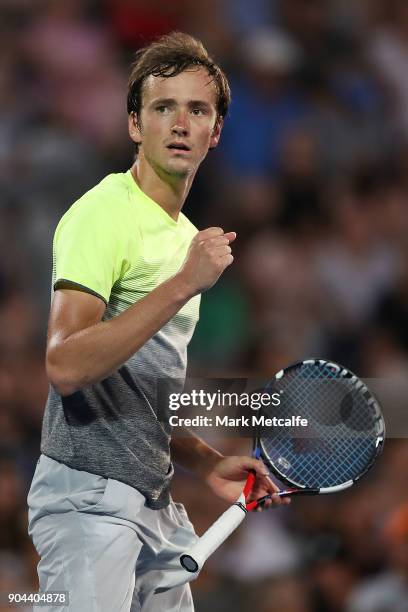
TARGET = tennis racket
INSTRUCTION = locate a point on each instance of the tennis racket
(344, 436)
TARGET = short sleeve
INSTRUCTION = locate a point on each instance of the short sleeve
(87, 249)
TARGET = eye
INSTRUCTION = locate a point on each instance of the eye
(198, 112)
(162, 109)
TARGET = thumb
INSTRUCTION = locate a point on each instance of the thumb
(250, 463)
(231, 236)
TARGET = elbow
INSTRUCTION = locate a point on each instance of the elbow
(59, 374)
(62, 384)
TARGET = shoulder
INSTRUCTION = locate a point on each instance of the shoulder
(111, 192)
(104, 204)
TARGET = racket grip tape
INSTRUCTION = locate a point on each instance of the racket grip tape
(194, 559)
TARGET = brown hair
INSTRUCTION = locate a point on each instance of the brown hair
(169, 56)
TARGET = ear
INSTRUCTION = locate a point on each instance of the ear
(216, 133)
(134, 128)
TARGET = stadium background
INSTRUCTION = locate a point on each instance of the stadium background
(312, 172)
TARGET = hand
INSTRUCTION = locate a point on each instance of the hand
(208, 256)
(228, 476)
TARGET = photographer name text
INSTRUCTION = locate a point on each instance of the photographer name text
(226, 421)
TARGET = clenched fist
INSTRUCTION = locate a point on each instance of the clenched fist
(208, 256)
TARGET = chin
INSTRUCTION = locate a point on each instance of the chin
(180, 168)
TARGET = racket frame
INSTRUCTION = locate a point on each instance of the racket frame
(299, 489)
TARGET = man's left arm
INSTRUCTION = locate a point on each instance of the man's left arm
(226, 476)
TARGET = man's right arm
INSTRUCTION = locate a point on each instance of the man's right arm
(82, 349)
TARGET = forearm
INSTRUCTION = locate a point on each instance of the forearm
(91, 354)
(194, 454)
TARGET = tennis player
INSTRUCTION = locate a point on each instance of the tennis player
(128, 271)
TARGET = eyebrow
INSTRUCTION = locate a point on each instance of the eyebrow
(172, 102)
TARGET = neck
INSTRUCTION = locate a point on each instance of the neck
(168, 191)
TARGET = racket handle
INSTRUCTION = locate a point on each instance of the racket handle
(194, 559)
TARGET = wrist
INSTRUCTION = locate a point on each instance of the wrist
(182, 287)
(195, 455)
(208, 465)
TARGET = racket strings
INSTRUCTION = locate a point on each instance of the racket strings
(329, 401)
(316, 470)
(340, 441)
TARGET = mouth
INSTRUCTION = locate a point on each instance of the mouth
(178, 147)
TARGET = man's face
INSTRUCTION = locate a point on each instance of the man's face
(178, 122)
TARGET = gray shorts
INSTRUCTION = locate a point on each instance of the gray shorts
(99, 541)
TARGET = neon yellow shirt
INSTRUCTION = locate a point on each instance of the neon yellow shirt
(117, 243)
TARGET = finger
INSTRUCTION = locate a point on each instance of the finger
(222, 250)
(274, 501)
(226, 260)
(265, 484)
(269, 503)
(216, 242)
(268, 484)
(260, 492)
(231, 236)
(250, 463)
(210, 232)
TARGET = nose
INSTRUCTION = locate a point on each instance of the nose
(181, 126)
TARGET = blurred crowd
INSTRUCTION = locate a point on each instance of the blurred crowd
(312, 174)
